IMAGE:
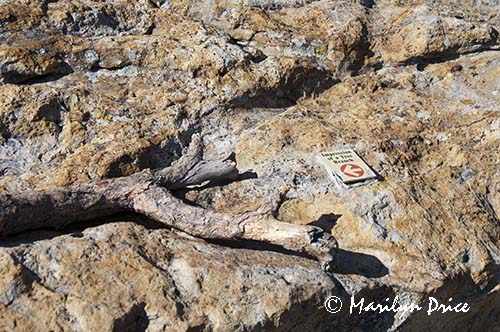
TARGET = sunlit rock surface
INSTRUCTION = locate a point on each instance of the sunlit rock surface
(91, 90)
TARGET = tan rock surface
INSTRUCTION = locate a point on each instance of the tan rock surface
(90, 90)
(125, 277)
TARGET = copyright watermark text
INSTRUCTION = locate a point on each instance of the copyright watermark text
(333, 305)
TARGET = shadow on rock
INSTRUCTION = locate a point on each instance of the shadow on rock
(76, 229)
(302, 81)
(135, 320)
(326, 221)
(348, 262)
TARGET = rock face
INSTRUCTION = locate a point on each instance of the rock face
(92, 90)
(127, 277)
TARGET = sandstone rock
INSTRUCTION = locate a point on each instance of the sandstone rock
(408, 31)
(92, 90)
(126, 277)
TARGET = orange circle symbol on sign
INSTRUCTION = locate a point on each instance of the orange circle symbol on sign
(352, 170)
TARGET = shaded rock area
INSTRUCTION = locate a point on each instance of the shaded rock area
(101, 89)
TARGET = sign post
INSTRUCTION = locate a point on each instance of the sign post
(346, 165)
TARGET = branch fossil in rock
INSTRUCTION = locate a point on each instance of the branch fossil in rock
(148, 193)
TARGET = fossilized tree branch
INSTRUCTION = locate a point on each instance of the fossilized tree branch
(147, 192)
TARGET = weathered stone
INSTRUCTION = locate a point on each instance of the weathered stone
(92, 90)
(123, 275)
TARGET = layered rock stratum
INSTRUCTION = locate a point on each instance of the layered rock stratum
(101, 89)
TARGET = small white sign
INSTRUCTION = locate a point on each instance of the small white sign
(346, 165)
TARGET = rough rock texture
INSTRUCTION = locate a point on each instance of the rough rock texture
(126, 277)
(92, 90)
